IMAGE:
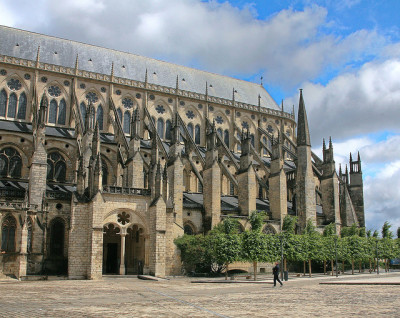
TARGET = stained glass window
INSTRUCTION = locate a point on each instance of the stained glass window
(54, 91)
(160, 128)
(10, 163)
(100, 116)
(83, 111)
(119, 112)
(127, 122)
(12, 106)
(56, 167)
(197, 135)
(62, 112)
(226, 137)
(190, 114)
(219, 120)
(14, 84)
(190, 129)
(22, 106)
(53, 112)
(3, 103)
(168, 130)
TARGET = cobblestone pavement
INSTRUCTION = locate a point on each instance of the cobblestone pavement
(178, 297)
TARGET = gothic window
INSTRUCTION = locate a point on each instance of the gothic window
(260, 192)
(56, 167)
(119, 112)
(12, 106)
(62, 112)
(160, 109)
(160, 128)
(54, 91)
(239, 147)
(83, 111)
(127, 122)
(190, 114)
(52, 112)
(199, 187)
(127, 102)
(252, 139)
(188, 229)
(105, 172)
(100, 117)
(29, 227)
(265, 152)
(226, 137)
(168, 129)
(22, 106)
(8, 230)
(219, 131)
(14, 84)
(197, 135)
(245, 124)
(92, 97)
(268, 230)
(57, 237)
(219, 120)
(3, 103)
(190, 129)
(10, 163)
(270, 129)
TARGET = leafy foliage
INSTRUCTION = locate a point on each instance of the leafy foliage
(289, 224)
(386, 233)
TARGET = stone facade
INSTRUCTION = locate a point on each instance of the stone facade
(101, 170)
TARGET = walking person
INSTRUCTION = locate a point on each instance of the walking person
(275, 271)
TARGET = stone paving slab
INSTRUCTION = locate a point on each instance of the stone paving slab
(178, 297)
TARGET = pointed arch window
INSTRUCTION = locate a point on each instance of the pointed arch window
(265, 152)
(53, 112)
(119, 112)
(83, 111)
(100, 116)
(3, 103)
(190, 129)
(127, 122)
(160, 128)
(219, 131)
(197, 135)
(8, 229)
(22, 106)
(12, 106)
(231, 188)
(105, 172)
(226, 137)
(62, 112)
(10, 163)
(56, 167)
(252, 139)
(168, 130)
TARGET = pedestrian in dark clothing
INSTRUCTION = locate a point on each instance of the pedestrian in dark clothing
(275, 271)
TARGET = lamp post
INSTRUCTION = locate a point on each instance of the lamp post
(336, 238)
(281, 239)
(377, 258)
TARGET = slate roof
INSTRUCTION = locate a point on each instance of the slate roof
(97, 59)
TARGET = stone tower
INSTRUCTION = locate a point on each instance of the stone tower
(356, 188)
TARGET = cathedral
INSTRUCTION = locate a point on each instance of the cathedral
(106, 157)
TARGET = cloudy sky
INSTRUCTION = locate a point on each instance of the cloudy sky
(345, 54)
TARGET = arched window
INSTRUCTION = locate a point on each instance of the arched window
(252, 139)
(105, 173)
(57, 230)
(119, 112)
(239, 146)
(8, 230)
(265, 152)
(22, 106)
(187, 229)
(62, 112)
(219, 131)
(127, 122)
(3, 103)
(10, 163)
(190, 129)
(53, 112)
(168, 130)
(83, 111)
(197, 135)
(56, 167)
(226, 137)
(29, 227)
(160, 128)
(260, 192)
(199, 186)
(231, 188)
(12, 106)
(100, 116)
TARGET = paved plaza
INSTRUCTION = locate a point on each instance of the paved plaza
(179, 297)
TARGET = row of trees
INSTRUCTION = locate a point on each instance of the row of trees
(224, 245)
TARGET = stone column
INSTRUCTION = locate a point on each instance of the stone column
(122, 263)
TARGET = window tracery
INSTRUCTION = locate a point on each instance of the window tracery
(56, 167)
(10, 163)
(8, 230)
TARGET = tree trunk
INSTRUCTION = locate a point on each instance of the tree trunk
(304, 268)
(374, 265)
(359, 266)
(309, 267)
(352, 267)
(370, 266)
(343, 267)
(255, 270)
(284, 264)
(226, 271)
(332, 266)
(324, 267)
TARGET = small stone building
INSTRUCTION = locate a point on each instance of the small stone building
(106, 157)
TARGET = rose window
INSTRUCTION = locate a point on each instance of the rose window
(160, 109)
(219, 120)
(92, 97)
(54, 91)
(14, 84)
(123, 218)
(190, 114)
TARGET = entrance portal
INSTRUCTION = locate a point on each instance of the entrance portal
(112, 258)
(111, 249)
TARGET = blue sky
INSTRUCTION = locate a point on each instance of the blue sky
(344, 54)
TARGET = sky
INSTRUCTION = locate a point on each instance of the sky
(344, 54)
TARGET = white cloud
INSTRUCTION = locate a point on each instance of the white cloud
(289, 45)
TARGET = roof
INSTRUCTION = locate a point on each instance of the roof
(97, 59)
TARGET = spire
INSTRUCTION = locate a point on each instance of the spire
(282, 106)
(351, 158)
(358, 157)
(38, 57)
(135, 122)
(303, 134)
(323, 144)
(347, 175)
(330, 143)
(177, 83)
(76, 64)
(112, 70)
(145, 78)
(96, 140)
(340, 171)
(43, 109)
(259, 100)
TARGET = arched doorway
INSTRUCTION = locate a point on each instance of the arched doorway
(111, 249)
(135, 250)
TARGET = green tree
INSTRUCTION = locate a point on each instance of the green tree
(356, 249)
(398, 232)
(289, 224)
(386, 233)
(369, 233)
(313, 244)
(375, 234)
(329, 237)
(194, 253)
